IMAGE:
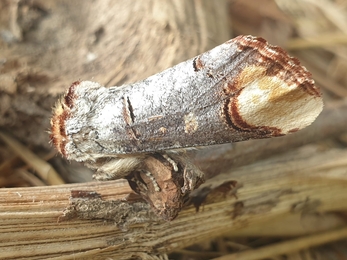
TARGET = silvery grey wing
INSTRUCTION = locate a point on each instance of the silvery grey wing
(242, 89)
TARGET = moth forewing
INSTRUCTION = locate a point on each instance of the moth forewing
(242, 89)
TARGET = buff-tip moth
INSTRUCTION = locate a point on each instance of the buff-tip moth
(243, 89)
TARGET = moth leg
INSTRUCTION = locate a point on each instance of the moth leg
(165, 180)
(171, 161)
(154, 182)
(193, 177)
(113, 168)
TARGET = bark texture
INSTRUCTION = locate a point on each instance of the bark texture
(287, 195)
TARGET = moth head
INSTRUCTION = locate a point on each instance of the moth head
(272, 93)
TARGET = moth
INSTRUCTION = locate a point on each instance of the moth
(243, 89)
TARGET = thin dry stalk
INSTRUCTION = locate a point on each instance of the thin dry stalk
(44, 169)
